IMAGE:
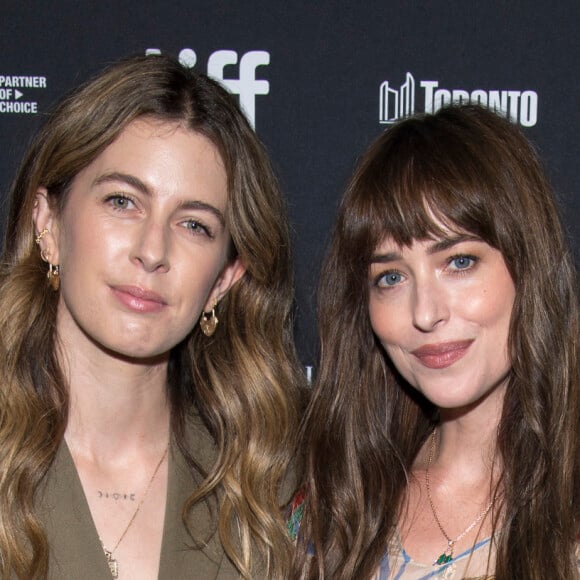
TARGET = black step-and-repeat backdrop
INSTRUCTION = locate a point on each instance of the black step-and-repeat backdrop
(317, 80)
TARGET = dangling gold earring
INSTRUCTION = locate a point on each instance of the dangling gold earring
(208, 322)
(53, 273)
(53, 276)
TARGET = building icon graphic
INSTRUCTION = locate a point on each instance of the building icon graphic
(397, 103)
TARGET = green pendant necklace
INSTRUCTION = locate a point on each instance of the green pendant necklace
(447, 555)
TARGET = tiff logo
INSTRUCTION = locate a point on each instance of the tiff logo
(247, 86)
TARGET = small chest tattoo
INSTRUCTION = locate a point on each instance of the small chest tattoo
(117, 496)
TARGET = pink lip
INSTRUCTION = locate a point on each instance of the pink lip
(442, 355)
(139, 299)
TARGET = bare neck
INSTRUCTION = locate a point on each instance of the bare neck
(118, 407)
(467, 439)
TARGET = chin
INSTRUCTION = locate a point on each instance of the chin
(461, 402)
(140, 354)
(444, 399)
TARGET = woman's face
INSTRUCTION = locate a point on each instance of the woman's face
(142, 241)
(441, 309)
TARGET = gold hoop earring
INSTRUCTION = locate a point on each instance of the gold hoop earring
(208, 322)
(53, 276)
(40, 236)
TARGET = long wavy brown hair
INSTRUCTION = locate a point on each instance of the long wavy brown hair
(470, 170)
(244, 382)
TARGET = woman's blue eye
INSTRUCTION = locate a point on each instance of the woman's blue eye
(390, 279)
(196, 227)
(193, 225)
(462, 262)
(119, 201)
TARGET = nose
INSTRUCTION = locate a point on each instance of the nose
(430, 306)
(151, 247)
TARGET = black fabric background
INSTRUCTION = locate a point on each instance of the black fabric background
(327, 63)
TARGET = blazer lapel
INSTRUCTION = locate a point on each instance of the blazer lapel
(180, 559)
(75, 549)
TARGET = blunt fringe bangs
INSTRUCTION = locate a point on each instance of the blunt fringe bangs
(464, 170)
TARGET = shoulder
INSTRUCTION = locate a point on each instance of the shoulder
(199, 440)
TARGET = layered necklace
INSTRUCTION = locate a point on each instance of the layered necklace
(447, 555)
(111, 561)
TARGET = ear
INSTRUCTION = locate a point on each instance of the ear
(230, 274)
(44, 217)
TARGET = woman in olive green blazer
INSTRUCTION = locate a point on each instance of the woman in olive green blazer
(149, 389)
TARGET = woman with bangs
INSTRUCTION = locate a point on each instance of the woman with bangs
(149, 388)
(441, 440)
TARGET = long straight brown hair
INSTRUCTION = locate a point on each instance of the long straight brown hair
(244, 382)
(472, 171)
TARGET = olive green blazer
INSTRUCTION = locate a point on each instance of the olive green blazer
(75, 548)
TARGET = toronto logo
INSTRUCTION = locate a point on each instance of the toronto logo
(400, 101)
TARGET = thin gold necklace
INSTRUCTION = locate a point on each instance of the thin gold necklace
(112, 562)
(447, 554)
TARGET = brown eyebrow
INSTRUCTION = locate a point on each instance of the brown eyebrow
(447, 243)
(124, 178)
(201, 205)
(136, 183)
(384, 258)
(439, 246)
